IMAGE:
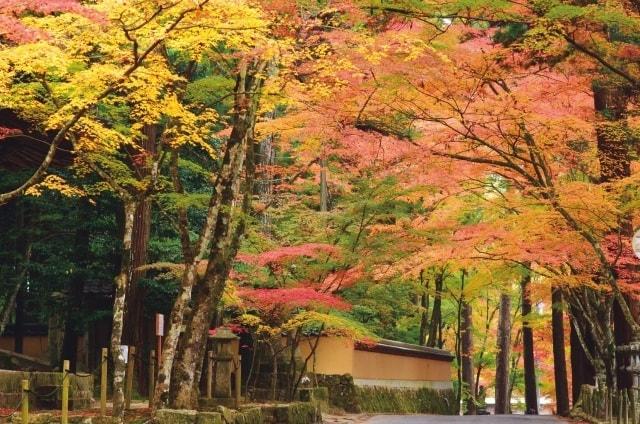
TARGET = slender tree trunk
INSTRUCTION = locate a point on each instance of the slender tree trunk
(424, 304)
(559, 357)
(530, 381)
(503, 401)
(436, 313)
(18, 329)
(459, 349)
(119, 301)
(324, 191)
(466, 351)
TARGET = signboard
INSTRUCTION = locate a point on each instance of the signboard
(159, 325)
(635, 242)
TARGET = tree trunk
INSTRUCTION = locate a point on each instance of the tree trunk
(135, 327)
(119, 301)
(225, 240)
(559, 357)
(530, 381)
(503, 402)
(466, 351)
(75, 290)
(324, 191)
(614, 138)
(225, 245)
(18, 328)
(424, 316)
(582, 371)
(436, 313)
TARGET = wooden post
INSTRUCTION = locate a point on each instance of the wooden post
(632, 401)
(152, 375)
(610, 397)
(25, 401)
(238, 380)
(625, 414)
(209, 373)
(619, 417)
(128, 390)
(103, 381)
(65, 392)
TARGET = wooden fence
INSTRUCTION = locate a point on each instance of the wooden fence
(601, 405)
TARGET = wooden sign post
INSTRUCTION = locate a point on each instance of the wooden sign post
(152, 375)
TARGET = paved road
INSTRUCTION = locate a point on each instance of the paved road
(478, 419)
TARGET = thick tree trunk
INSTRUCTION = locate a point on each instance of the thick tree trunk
(614, 138)
(187, 368)
(503, 402)
(135, 327)
(225, 244)
(119, 302)
(582, 371)
(559, 357)
(530, 381)
(466, 353)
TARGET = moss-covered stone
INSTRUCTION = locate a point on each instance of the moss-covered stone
(176, 416)
(303, 413)
(406, 401)
(228, 415)
(34, 419)
(209, 418)
(341, 391)
(250, 416)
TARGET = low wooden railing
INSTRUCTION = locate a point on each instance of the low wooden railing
(601, 405)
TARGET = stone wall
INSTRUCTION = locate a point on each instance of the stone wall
(289, 413)
(345, 395)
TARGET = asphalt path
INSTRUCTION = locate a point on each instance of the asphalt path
(476, 419)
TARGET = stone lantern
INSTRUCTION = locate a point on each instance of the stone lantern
(224, 359)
